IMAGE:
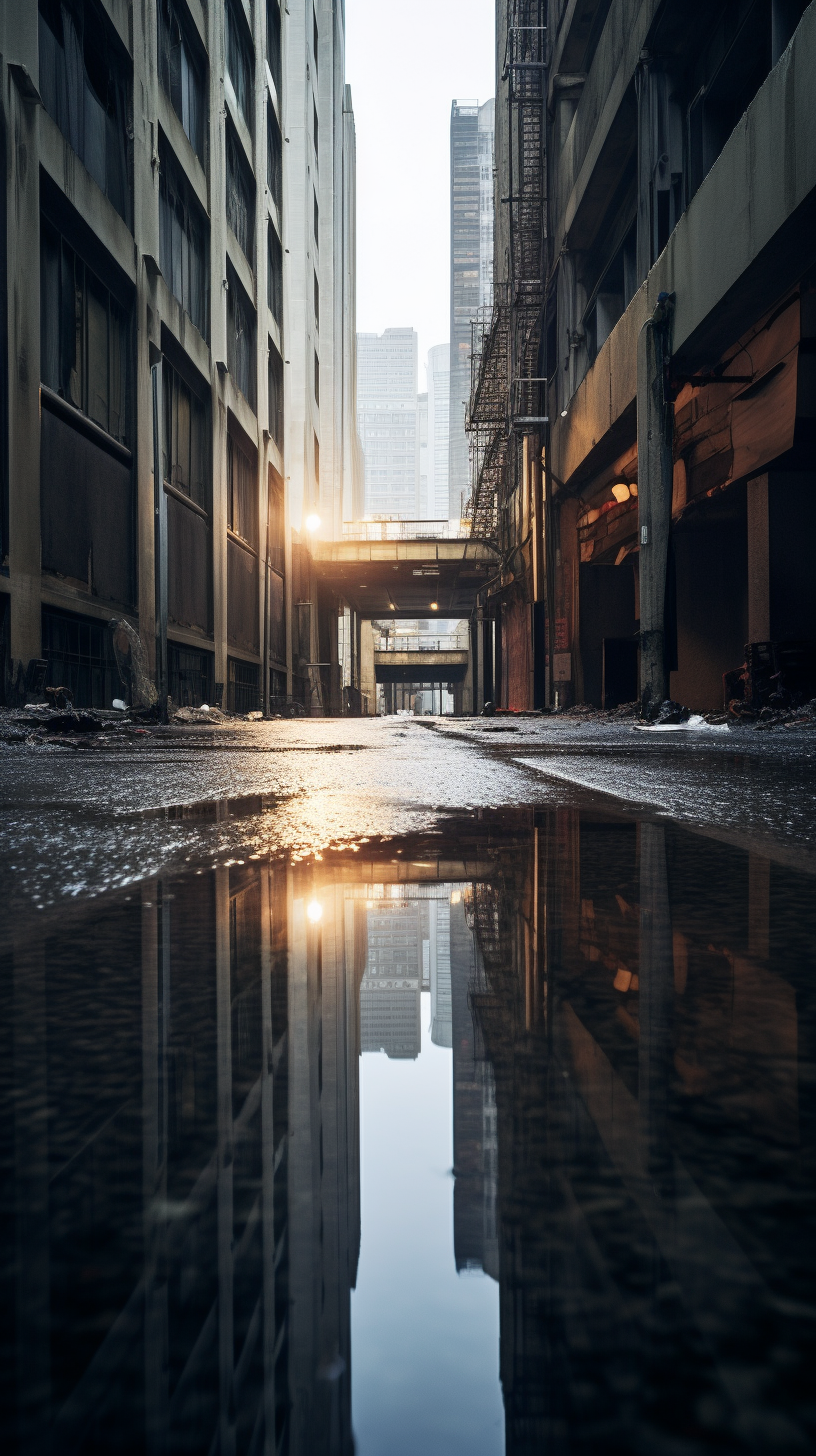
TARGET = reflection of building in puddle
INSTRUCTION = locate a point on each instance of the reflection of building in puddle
(392, 981)
(475, 1136)
(439, 968)
(408, 952)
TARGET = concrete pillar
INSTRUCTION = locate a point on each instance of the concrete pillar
(23, 312)
(759, 601)
(368, 682)
(654, 427)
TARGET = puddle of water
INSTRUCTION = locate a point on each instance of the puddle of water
(496, 1139)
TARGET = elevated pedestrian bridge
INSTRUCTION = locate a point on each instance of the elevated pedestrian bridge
(419, 659)
(406, 569)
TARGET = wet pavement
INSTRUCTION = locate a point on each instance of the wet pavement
(405, 1087)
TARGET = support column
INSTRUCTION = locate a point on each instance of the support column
(654, 426)
(759, 597)
(23, 312)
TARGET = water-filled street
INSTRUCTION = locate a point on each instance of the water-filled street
(378, 1087)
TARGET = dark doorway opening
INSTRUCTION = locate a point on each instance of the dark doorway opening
(620, 671)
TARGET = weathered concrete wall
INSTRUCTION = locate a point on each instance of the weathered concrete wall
(743, 239)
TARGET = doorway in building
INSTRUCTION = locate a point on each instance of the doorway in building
(620, 671)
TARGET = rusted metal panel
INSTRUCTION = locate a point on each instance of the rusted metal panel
(725, 432)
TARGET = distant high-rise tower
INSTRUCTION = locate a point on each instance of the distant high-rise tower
(471, 150)
(438, 431)
(422, 448)
(387, 421)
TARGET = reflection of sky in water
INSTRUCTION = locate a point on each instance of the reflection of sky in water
(425, 1340)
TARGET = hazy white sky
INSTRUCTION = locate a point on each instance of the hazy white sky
(406, 60)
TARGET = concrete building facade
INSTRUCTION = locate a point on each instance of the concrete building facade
(387, 420)
(438, 430)
(178, 245)
(654, 301)
(471, 171)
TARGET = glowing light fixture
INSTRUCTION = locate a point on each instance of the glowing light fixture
(456, 897)
(620, 491)
(312, 523)
(314, 910)
(434, 606)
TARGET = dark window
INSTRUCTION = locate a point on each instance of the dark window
(240, 337)
(243, 690)
(240, 197)
(83, 337)
(275, 396)
(79, 653)
(274, 157)
(274, 275)
(275, 525)
(239, 61)
(191, 676)
(316, 220)
(83, 79)
(317, 379)
(273, 42)
(317, 302)
(186, 453)
(242, 504)
(183, 243)
(181, 75)
(316, 129)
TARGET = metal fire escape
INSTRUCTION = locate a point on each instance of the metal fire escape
(507, 392)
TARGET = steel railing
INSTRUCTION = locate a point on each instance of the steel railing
(396, 529)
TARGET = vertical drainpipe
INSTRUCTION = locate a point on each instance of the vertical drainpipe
(655, 426)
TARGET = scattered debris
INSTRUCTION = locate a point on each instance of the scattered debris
(60, 697)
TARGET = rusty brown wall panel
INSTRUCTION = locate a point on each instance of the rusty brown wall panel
(516, 653)
(87, 509)
(242, 598)
(189, 567)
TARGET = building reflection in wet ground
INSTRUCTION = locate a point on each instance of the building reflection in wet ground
(630, 1008)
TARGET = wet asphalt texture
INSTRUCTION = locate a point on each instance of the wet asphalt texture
(82, 819)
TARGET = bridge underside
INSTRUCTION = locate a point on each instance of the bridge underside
(420, 667)
(403, 578)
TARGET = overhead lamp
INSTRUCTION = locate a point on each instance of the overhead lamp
(620, 491)
(314, 910)
(434, 606)
(312, 523)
